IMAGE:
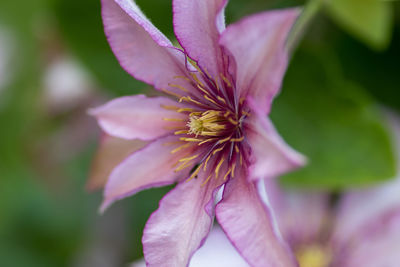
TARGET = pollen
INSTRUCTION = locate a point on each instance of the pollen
(209, 123)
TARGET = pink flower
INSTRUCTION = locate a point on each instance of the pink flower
(211, 130)
(362, 229)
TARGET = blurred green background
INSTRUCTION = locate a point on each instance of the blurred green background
(55, 63)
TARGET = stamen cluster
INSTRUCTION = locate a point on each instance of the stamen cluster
(213, 123)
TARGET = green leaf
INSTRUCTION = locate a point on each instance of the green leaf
(368, 20)
(376, 72)
(335, 124)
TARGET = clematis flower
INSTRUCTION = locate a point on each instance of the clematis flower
(209, 132)
(363, 229)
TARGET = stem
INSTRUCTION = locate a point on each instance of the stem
(310, 10)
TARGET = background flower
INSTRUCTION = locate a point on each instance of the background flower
(361, 228)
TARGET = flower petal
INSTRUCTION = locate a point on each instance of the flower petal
(198, 25)
(249, 225)
(289, 207)
(151, 166)
(137, 116)
(270, 155)
(110, 153)
(379, 248)
(142, 50)
(258, 46)
(216, 252)
(360, 208)
(180, 225)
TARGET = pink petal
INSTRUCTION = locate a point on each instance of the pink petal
(360, 208)
(137, 116)
(197, 26)
(151, 166)
(180, 225)
(258, 46)
(142, 50)
(110, 153)
(289, 207)
(271, 156)
(249, 225)
(379, 248)
(217, 251)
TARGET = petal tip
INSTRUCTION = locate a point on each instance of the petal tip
(104, 206)
(92, 111)
(299, 160)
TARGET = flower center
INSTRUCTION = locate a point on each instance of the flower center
(313, 256)
(211, 135)
(208, 123)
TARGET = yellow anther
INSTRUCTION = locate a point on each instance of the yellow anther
(225, 139)
(218, 167)
(189, 99)
(218, 150)
(170, 107)
(226, 80)
(181, 132)
(179, 87)
(197, 79)
(232, 121)
(180, 148)
(173, 119)
(203, 90)
(183, 166)
(209, 133)
(209, 99)
(216, 83)
(237, 148)
(188, 139)
(185, 110)
(227, 173)
(206, 141)
(194, 174)
(188, 158)
(206, 181)
(221, 99)
(182, 77)
(206, 162)
(233, 170)
(240, 139)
